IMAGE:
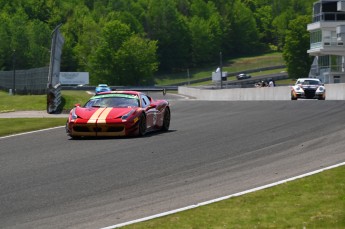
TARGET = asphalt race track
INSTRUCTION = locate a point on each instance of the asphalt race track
(213, 149)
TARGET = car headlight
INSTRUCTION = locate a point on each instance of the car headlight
(321, 89)
(125, 117)
(74, 116)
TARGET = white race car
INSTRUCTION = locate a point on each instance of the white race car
(308, 88)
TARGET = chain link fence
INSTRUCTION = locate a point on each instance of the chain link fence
(25, 82)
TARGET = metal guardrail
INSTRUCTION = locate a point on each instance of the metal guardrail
(125, 88)
(229, 74)
(257, 79)
(233, 83)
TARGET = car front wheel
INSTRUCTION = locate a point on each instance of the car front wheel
(142, 125)
(293, 97)
(166, 120)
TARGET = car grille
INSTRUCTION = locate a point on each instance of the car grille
(81, 129)
(115, 128)
(98, 128)
(309, 92)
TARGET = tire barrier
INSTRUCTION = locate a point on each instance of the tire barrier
(53, 99)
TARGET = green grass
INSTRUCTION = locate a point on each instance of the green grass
(22, 102)
(10, 103)
(70, 98)
(317, 201)
(254, 74)
(19, 125)
(38, 102)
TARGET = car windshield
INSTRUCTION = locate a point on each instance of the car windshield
(310, 82)
(113, 101)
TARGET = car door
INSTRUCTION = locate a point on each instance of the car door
(151, 113)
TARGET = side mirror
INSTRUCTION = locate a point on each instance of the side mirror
(77, 105)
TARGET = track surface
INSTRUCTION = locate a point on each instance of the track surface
(213, 149)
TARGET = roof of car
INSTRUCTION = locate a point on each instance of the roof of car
(102, 85)
(121, 92)
(303, 79)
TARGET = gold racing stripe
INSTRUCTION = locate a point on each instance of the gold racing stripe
(103, 116)
(94, 117)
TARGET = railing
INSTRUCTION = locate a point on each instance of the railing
(331, 68)
(327, 42)
(332, 16)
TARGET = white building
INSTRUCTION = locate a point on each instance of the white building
(327, 41)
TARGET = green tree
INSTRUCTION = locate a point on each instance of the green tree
(164, 23)
(244, 34)
(88, 41)
(138, 61)
(37, 10)
(5, 37)
(103, 65)
(38, 34)
(264, 19)
(297, 42)
(19, 40)
(122, 57)
(81, 36)
(188, 32)
(206, 32)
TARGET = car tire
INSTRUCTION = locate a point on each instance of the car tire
(75, 137)
(293, 97)
(166, 120)
(142, 125)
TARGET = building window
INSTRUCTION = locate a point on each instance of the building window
(331, 62)
(336, 63)
(315, 39)
(315, 36)
(324, 61)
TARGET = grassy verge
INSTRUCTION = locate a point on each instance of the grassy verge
(70, 98)
(20, 125)
(21, 102)
(38, 102)
(233, 65)
(254, 74)
(10, 103)
(313, 202)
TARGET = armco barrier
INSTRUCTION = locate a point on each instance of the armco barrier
(333, 92)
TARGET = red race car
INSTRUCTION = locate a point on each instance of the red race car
(118, 113)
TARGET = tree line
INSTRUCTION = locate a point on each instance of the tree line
(125, 42)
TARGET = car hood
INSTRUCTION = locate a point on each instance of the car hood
(95, 113)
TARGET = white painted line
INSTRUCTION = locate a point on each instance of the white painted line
(31, 132)
(222, 198)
